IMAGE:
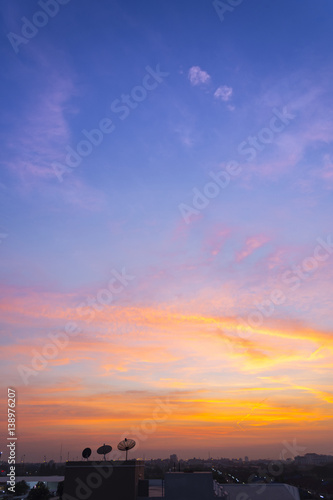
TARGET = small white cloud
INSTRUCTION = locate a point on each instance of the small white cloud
(224, 93)
(197, 76)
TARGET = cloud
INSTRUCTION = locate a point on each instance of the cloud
(197, 76)
(327, 171)
(216, 238)
(251, 245)
(185, 135)
(224, 93)
(44, 132)
(185, 351)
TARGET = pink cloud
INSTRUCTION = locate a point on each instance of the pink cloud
(44, 132)
(251, 244)
(328, 168)
(311, 127)
(216, 238)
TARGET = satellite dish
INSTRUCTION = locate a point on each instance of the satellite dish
(104, 450)
(86, 453)
(126, 444)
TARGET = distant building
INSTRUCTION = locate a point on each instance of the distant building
(313, 459)
(246, 459)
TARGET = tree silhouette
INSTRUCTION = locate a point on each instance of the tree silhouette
(40, 492)
(21, 488)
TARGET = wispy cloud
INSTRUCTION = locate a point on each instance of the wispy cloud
(251, 244)
(45, 131)
(327, 171)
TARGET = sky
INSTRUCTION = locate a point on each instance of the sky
(166, 233)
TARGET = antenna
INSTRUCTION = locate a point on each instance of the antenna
(86, 453)
(126, 444)
(104, 450)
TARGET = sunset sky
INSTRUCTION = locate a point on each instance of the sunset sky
(166, 240)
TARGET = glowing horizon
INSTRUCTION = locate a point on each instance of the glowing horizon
(166, 249)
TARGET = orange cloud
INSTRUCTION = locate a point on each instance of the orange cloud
(198, 362)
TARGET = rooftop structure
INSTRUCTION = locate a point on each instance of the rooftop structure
(274, 491)
(189, 486)
(103, 480)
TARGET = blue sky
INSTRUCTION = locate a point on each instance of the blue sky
(198, 89)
